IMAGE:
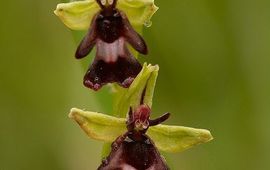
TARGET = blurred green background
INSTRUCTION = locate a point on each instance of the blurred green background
(214, 61)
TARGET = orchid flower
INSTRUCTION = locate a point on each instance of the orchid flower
(110, 31)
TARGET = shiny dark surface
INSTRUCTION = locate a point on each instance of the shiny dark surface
(109, 25)
(123, 71)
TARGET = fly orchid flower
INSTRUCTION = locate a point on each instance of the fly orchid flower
(110, 31)
(137, 139)
(134, 149)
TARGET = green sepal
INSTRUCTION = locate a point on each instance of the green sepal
(132, 96)
(77, 15)
(167, 138)
(177, 138)
(99, 126)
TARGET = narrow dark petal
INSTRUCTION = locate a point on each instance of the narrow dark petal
(123, 71)
(143, 95)
(132, 37)
(114, 4)
(159, 120)
(100, 4)
(130, 116)
(88, 41)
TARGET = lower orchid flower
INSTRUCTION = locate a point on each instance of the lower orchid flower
(134, 150)
(136, 141)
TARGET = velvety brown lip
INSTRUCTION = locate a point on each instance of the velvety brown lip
(113, 63)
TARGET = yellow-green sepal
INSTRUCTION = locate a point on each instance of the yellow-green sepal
(77, 15)
(174, 139)
(141, 90)
(99, 126)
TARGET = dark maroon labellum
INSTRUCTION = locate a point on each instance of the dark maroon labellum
(135, 150)
(110, 31)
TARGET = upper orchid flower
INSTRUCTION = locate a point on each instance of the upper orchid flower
(110, 31)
